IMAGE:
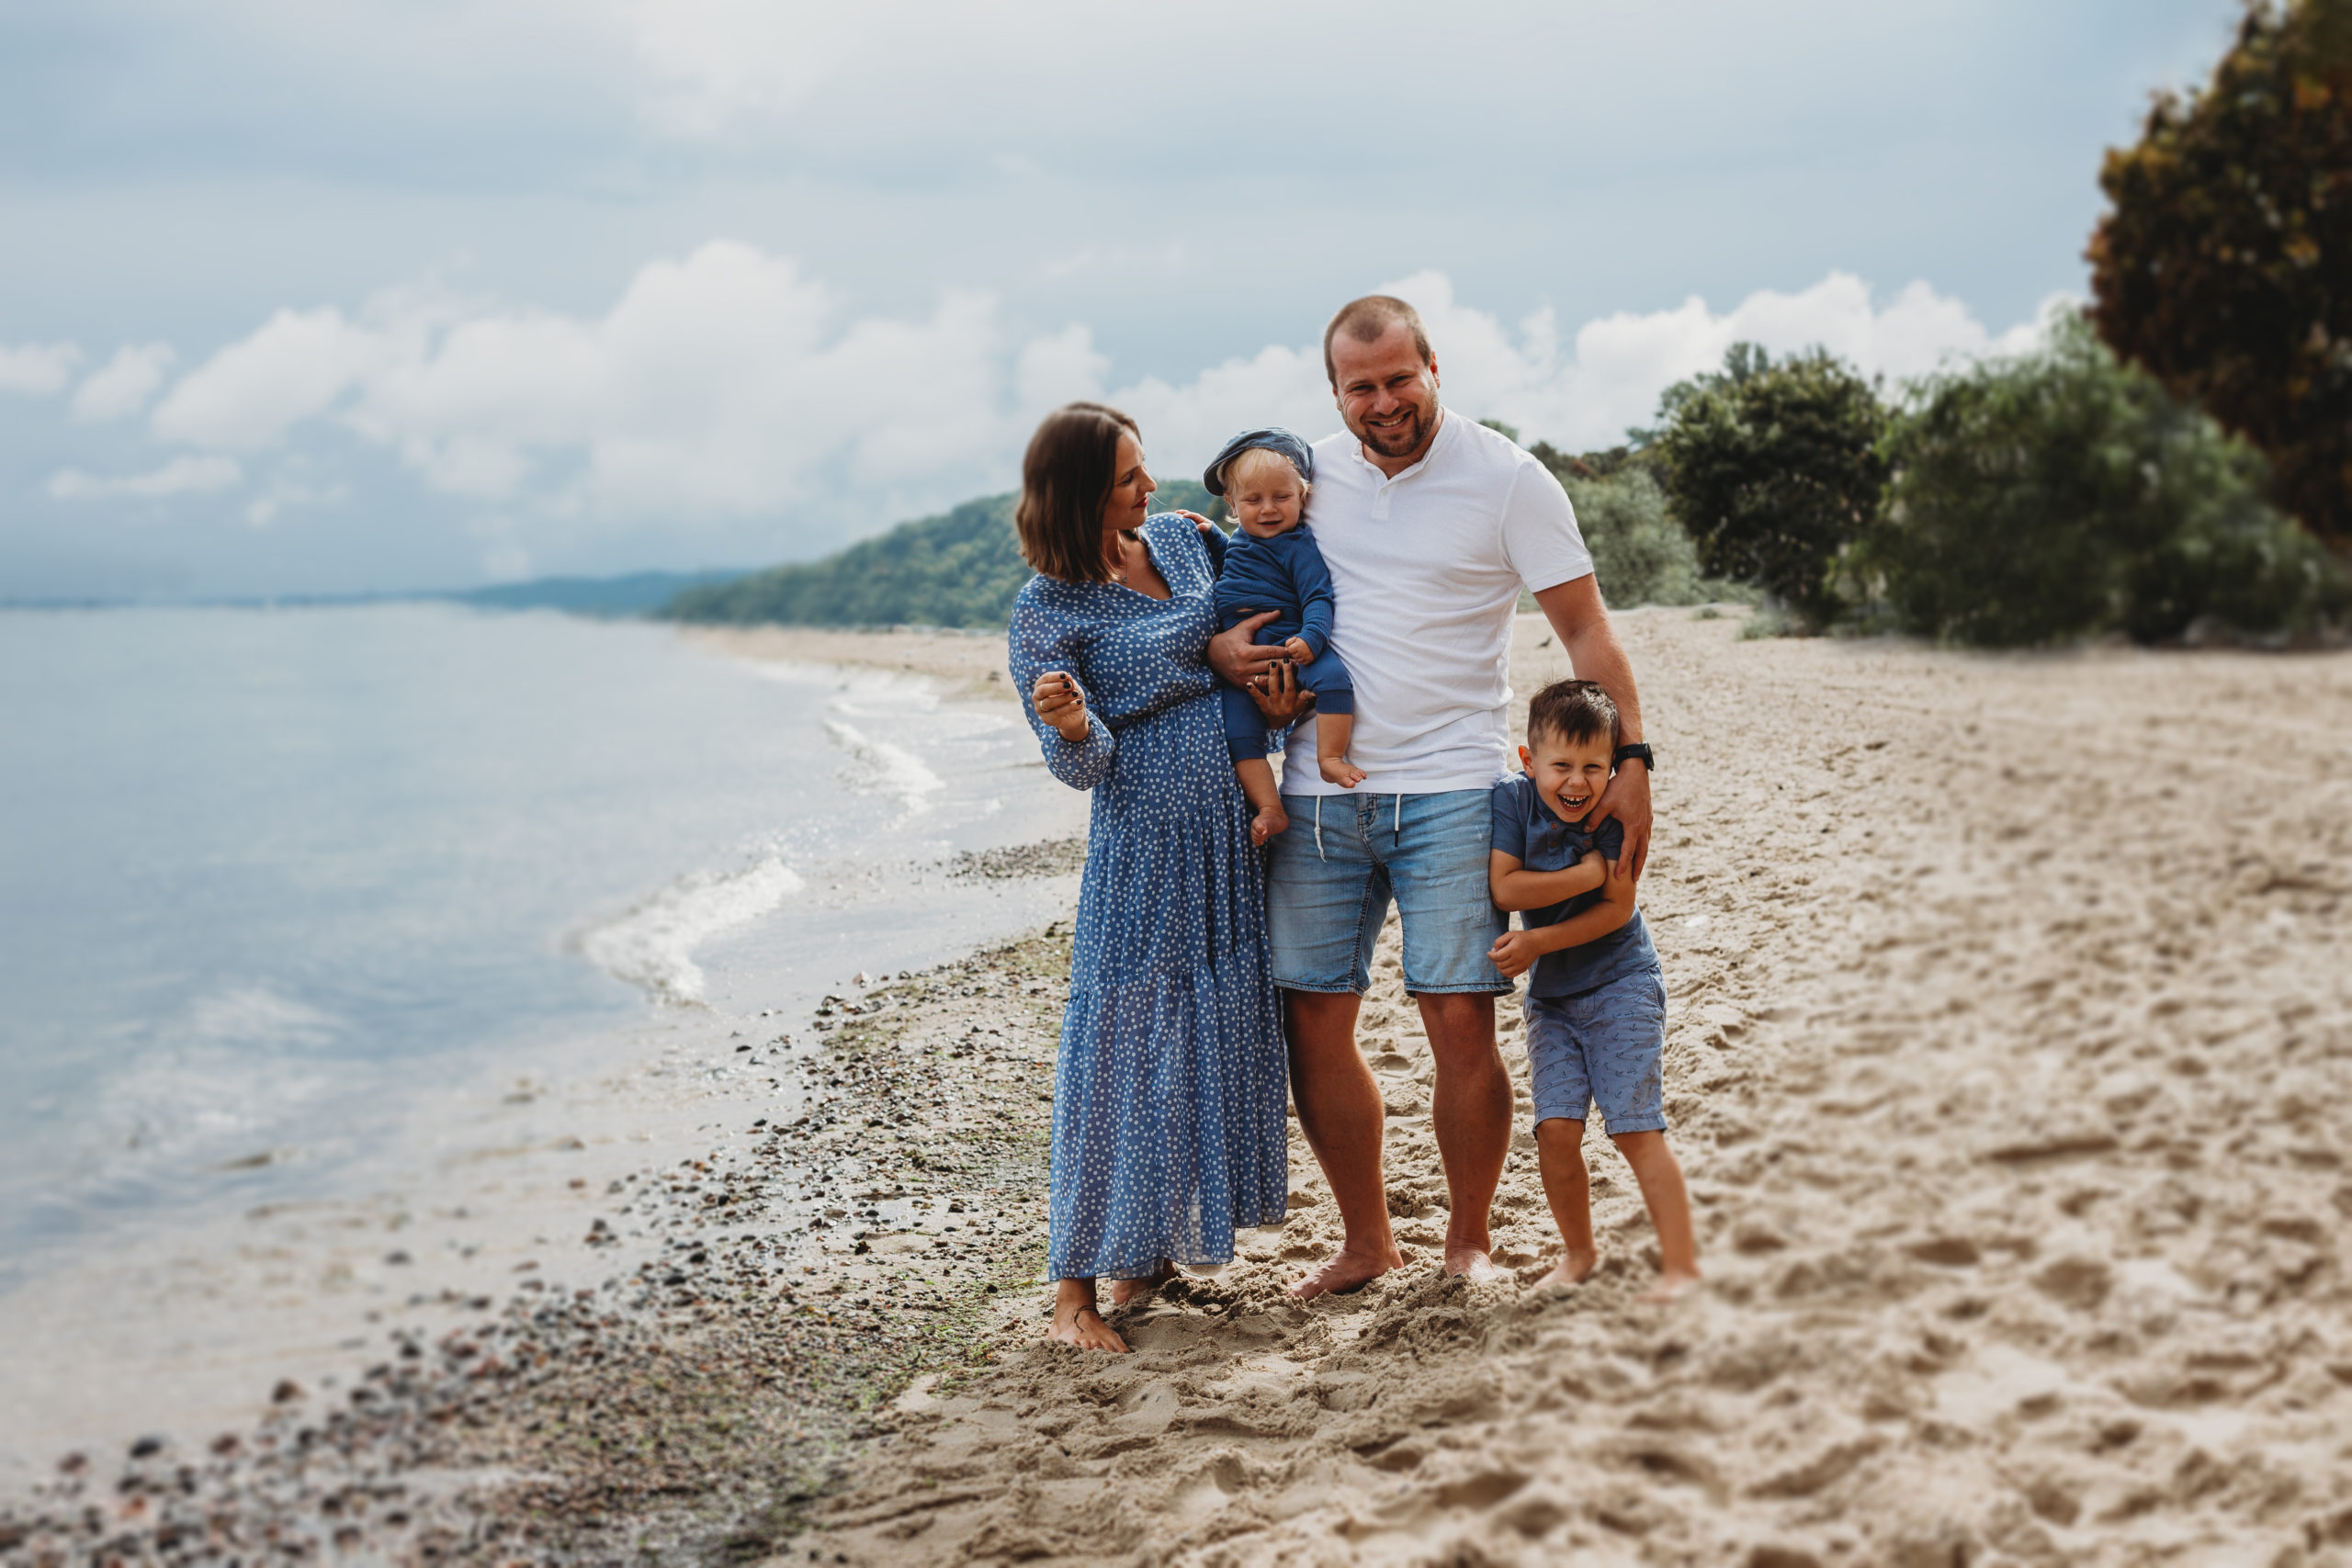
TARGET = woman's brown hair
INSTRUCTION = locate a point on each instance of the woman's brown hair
(1066, 479)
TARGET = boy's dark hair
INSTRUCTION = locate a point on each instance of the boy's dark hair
(1573, 710)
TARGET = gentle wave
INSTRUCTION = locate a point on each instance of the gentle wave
(653, 944)
(876, 767)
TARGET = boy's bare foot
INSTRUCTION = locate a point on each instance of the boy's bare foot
(1472, 1264)
(1126, 1292)
(1341, 772)
(1083, 1328)
(1345, 1273)
(1671, 1286)
(1573, 1270)
(1269, 820)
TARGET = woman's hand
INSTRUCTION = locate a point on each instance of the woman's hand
(1278, 694)
(1060, 704)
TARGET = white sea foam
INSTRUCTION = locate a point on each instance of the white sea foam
(876, 767)
(653, 944)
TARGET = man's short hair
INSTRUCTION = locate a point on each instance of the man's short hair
(1573, 710)
(1365, 320)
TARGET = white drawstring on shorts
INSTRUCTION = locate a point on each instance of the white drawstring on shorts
(1396, 828)
(1319, 828)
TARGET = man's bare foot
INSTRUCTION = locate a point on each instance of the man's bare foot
(1670, 1287)
(1573, 1270)
(1269, 820)
(1341, 772)
(1082, 1328)
(1126, 1292)
(1345, 1273)
(1472, 1264)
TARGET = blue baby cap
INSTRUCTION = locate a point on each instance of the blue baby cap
(1273, 438)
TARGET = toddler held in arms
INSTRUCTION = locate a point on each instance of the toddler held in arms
(1596, 1001)
(1274, 564)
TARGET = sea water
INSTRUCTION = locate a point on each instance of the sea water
(268, 876)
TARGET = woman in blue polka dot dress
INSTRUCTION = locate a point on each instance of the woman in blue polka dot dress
(1168, 1121)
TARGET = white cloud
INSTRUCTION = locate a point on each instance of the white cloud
(39, 368)
(728, 384)
(122, 385)
(181, 475)
(1587, 393)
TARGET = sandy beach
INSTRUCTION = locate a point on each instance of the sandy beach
(2009, 1031)
(2008, 1044)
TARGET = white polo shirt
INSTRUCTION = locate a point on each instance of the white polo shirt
(1426, 570)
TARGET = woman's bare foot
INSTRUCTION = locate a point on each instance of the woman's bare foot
(1573, 1270)
(1077, 1322)
(1341, 772)
(1127, 1292)
(1269, 820)
(1345, 1273)
(1671, 1286)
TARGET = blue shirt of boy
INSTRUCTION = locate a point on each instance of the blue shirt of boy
(1285, 574)
(1529, 831)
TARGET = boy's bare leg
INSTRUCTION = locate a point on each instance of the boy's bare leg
(1078, 1322)
(1339, 1111)
(1334, 732)
(1559, 1157)
(1257, 776)
(1470, 1112)
(1660, 1175)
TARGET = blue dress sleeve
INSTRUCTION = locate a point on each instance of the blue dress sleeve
(1038, 642)
(1311, 580)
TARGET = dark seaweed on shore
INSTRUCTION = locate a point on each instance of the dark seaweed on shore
(689, 1411)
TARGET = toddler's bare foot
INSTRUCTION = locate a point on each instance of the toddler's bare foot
(1573, 1270)
(1341, 772)
(1269, 821)
(1670, 1285)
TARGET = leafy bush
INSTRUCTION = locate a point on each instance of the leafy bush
(1639, 553)
(2064, 494)
(1774, 469)
(2222, 265)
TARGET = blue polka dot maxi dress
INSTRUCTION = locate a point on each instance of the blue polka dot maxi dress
(1169, 1104)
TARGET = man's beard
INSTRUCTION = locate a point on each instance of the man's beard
(1401, 440)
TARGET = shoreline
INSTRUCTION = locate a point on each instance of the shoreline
(696, 1403)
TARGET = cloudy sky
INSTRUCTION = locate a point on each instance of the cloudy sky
(314, 295)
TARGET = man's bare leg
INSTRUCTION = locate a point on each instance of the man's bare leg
(1660, 1175)
(1568, 1189)
(1471, 1113)
(1339, 1111)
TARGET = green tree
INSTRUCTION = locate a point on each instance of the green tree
(1774, 468)
(2064, 495)
(2225, 265)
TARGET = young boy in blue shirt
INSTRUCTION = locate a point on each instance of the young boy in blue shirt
(1273, 563)
(1596, 1001)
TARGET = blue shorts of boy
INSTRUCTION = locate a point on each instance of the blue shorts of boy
(1285, 574)
(1595, 1014)
(1330, 878)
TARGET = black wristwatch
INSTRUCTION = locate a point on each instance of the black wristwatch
(1638, 751)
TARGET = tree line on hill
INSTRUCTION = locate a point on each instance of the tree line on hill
(2174, 462)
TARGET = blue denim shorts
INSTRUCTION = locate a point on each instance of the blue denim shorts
(1331, 877)
(1605, 1046)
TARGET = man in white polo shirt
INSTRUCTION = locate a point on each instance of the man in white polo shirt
(1430, 525)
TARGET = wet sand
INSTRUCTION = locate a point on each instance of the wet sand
(2011, 1031)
